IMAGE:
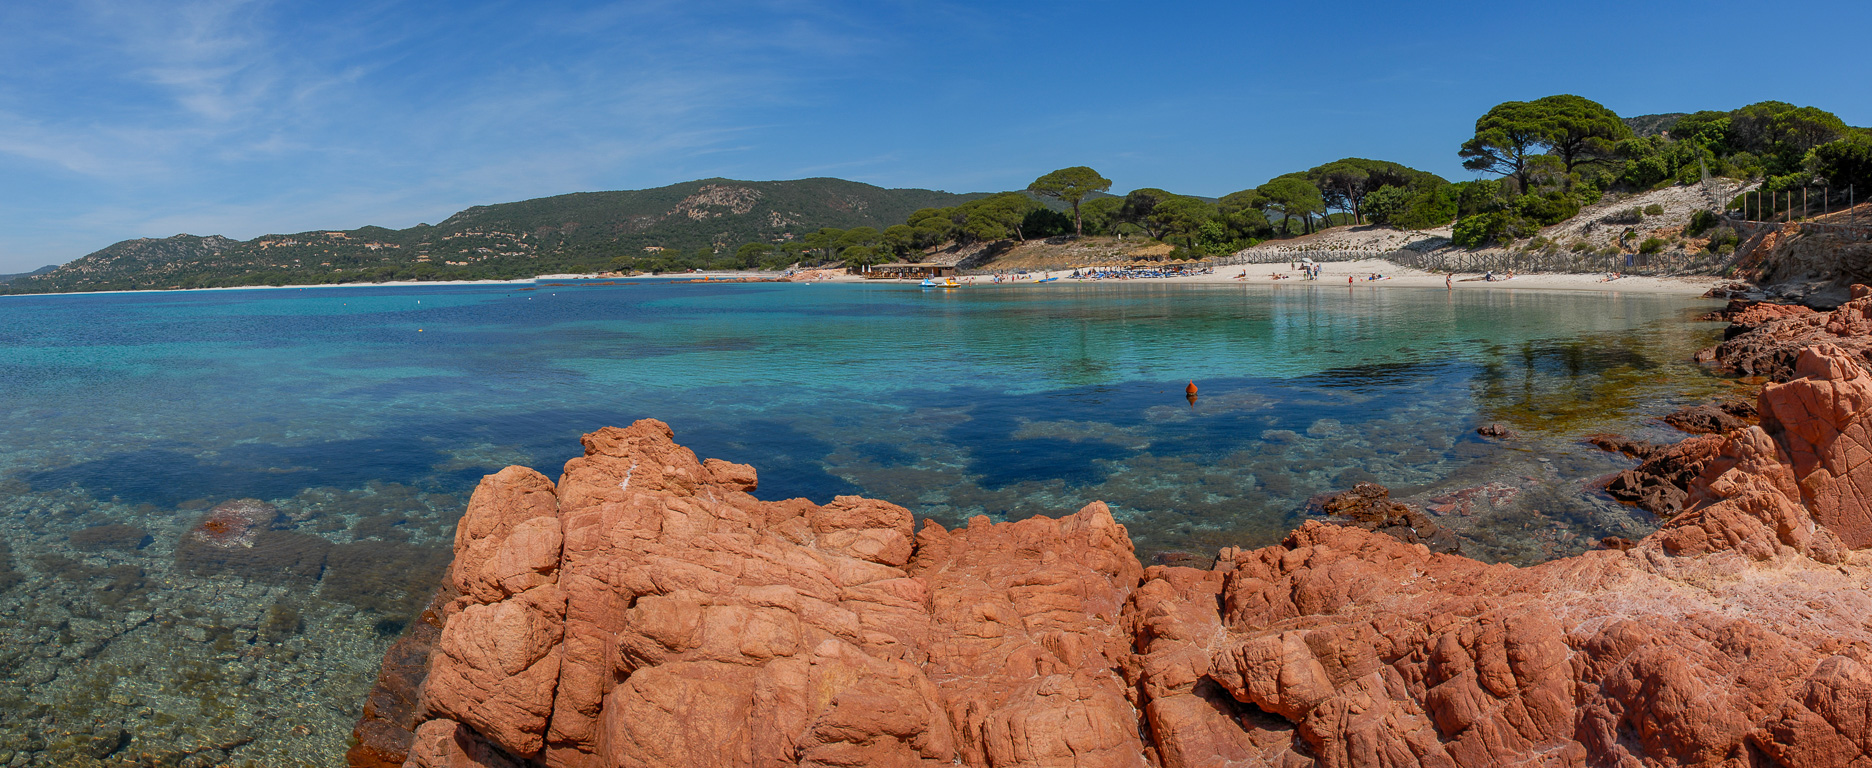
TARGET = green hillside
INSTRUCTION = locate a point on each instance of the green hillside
(582, 232)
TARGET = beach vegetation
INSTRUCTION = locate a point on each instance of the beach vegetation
(1244, 213)
(1100, 215)
(1345, 184)
(1477, 230)
(1844, 161)
(1510, 137)
(1782, 134)
(1651, 245)
(1480, 196)
(1723, 237)
(750, 255)
(1654, 209)
(1423, 203)
(1293, 197)
(1071, 185)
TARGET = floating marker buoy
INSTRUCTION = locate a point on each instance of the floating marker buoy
(1191, 389)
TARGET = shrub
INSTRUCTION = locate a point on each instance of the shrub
(1727, 249)
(1581, 246)
(1431, 207)
(1654, 209)
(1724, 237)
(1701, 221)
(1476, 231)
(1846, 161)
(1644, 172)
(1543, 210)
(1651, 245)
(1627, 216)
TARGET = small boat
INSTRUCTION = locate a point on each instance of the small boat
(948, 282)
(1050, 279)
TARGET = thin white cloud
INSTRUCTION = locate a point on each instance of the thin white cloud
(244, 117)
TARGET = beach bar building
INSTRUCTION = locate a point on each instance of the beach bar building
(912, 271)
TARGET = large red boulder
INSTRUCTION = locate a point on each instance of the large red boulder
(1025, 643)
(1820, 417)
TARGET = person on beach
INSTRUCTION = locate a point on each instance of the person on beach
(1449, 281)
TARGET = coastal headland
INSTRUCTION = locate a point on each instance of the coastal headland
(645, 609)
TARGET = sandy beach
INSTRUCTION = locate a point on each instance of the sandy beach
(1331, 273)
(1336, 273)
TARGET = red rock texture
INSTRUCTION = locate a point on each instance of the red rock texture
(1713, 418)
(385, 730)
(647, 611)
(1369, 506)
(1765, 339)
(1661, 485)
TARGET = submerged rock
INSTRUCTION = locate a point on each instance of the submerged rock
(645, 610)
(1369, 506)
(110, 536)
(235, 523)
(1662, 483)
(245, 537)
(1496, 430)
(1712, 418)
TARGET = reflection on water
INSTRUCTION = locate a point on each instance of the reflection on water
(126, 418)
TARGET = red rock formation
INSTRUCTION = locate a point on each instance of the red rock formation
(1662, 483)
(1765, 339)
(385, 730)
(1024, 642)
(1712, 418)
(1369, 506)
(647, 611)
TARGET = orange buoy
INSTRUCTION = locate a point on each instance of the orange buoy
(1191, 389)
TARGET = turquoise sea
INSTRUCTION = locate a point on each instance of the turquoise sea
(368, 414)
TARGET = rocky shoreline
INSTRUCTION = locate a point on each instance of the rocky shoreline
(646, 610)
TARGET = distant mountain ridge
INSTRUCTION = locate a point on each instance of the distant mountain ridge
(576, 232)
(39, 271)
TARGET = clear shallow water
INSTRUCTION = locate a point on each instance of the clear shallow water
(367, 415)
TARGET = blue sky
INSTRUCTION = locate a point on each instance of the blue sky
(124, 119)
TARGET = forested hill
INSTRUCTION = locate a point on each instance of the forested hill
(1653, 125)
(580, 232)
